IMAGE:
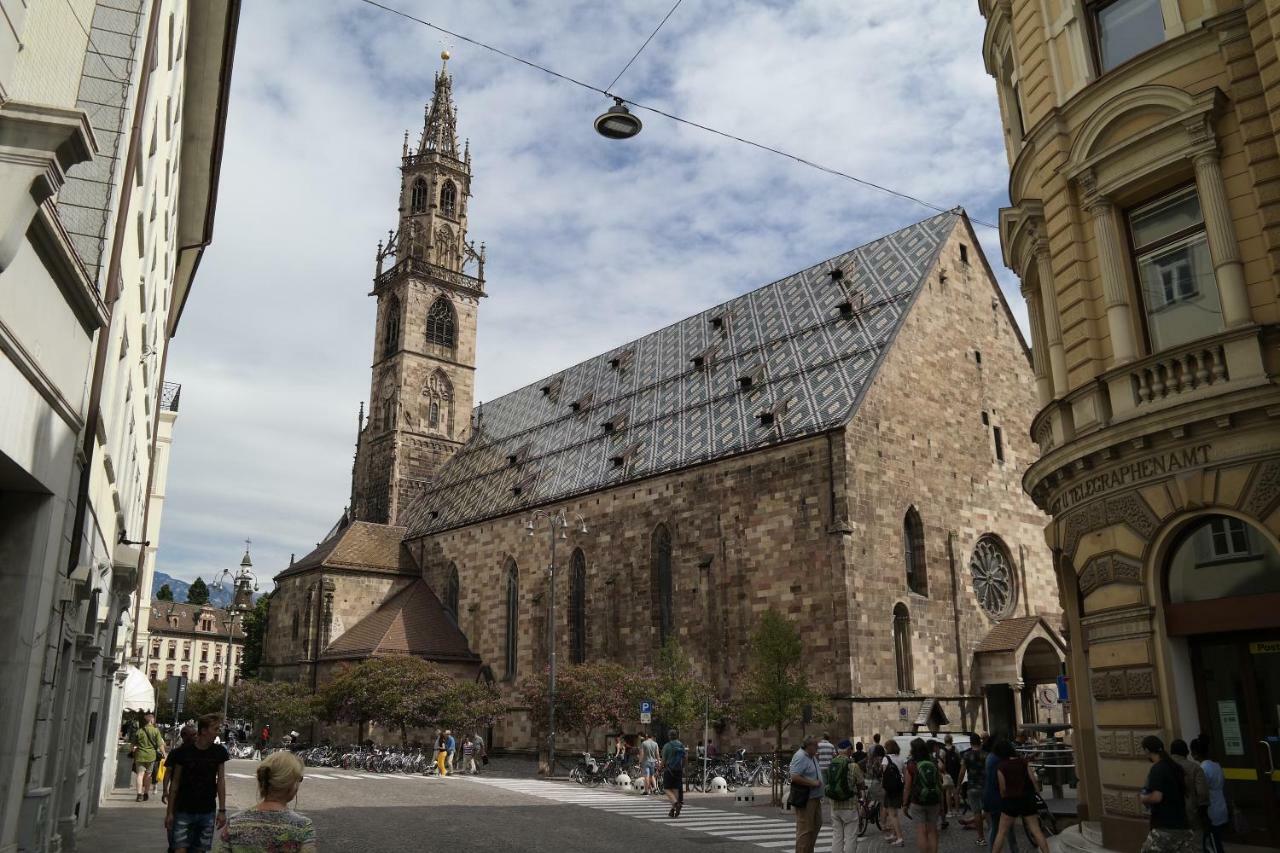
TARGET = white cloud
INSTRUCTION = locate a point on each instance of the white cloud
(591, 242)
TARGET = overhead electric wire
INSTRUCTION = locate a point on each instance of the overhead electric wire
(671, 12)
(758, 145)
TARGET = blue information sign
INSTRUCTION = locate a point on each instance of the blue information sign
(646, 706)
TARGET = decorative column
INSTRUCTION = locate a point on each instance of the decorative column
(1223, 248)
(1017, 706)
(1052, 322)
(1111, 266)
(1044, 390)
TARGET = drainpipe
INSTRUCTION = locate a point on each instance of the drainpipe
(955, 614)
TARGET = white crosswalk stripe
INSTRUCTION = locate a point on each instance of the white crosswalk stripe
(761, 831)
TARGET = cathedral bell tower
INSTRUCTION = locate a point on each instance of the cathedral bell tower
(428, 284)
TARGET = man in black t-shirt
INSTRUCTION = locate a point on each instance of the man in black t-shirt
(198, 799)
(1164, 794)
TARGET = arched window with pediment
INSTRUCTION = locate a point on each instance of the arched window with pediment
(439, 399)
(452, 589)
(512, 643)
(663, 593)
(913, 552)
(418, 196)
(441, 324)
(391, 327)
(449, 198)
(902, 648)
(578, 607)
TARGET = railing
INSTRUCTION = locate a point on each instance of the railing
(169, 394)
(1179, 372)
(426, 268)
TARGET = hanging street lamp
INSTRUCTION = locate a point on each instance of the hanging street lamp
(617, 122)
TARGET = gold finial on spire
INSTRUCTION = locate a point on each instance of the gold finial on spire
(444, 56)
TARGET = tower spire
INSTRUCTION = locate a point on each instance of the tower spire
(440, 125)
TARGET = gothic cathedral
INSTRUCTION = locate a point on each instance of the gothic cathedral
(424, 349)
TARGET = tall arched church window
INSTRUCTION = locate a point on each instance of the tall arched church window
(513, 619)
(433, 415)
(418, 196)
(440, 324)
(661, 580)
(913, 552)
(994, 582)
(295, 629)
(451, 591)
(391, 329)
(902, 648)
(449, 198)
(578, 607)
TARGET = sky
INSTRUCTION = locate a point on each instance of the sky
(591, 242)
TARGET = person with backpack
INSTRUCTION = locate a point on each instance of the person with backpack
(924, 791)
(673, 758)
(1017, 783)
(844, 782)
(147, 750)
(892, 768)
(973, 778)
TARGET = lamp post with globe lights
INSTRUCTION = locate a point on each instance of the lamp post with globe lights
(558, 523)
(243, 584)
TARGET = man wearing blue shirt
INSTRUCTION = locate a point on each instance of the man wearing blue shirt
(805, 774)
(451, 744)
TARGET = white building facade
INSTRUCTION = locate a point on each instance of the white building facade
(198, 641)
(111, 124)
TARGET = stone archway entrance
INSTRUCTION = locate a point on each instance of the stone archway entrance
(1013, 662)
(1222, 612)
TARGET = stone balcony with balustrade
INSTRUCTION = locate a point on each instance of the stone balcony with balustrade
(1168, 390)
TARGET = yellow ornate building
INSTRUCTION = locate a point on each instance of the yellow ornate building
(1145, 226)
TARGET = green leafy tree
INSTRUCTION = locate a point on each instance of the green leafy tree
(777, 688)
(164, 593)
(680, 698)
(397, 692)
(589, 697)
(198, 592)
(283, 704)
(255, 632)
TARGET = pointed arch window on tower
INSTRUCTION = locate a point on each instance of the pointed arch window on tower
(578, 607)
(513, 618)
(433, 415)
(391, 333)
(661, 580)
(449, 199)
(418, 196)
(441, 325)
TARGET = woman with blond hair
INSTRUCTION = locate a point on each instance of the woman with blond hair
(271, 825)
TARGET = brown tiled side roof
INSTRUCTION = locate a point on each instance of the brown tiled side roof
(1008, 634)
(359, 545)
(188, 619)
(411, 622)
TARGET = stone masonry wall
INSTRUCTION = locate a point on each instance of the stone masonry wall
(919, 440)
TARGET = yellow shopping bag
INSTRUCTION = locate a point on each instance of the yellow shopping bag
(160, 773)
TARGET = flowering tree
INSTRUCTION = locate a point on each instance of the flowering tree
(398, 692)
(589, 697)
(469, 706)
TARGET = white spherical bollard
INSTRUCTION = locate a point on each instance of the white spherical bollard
(719, 786)
(623, 781)
(745, 795)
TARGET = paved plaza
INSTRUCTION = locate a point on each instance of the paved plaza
(357, 811)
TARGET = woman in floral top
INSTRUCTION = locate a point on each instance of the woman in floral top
(271, 826)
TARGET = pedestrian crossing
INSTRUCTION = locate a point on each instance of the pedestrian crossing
(331, 775)
(761, 831)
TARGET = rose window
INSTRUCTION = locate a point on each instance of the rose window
(993, 582)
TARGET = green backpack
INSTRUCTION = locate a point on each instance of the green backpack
(925, 789)
(837, 781)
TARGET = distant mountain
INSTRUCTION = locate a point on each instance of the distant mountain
(217, 597)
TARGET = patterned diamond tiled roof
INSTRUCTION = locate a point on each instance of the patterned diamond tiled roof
(783, 361)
